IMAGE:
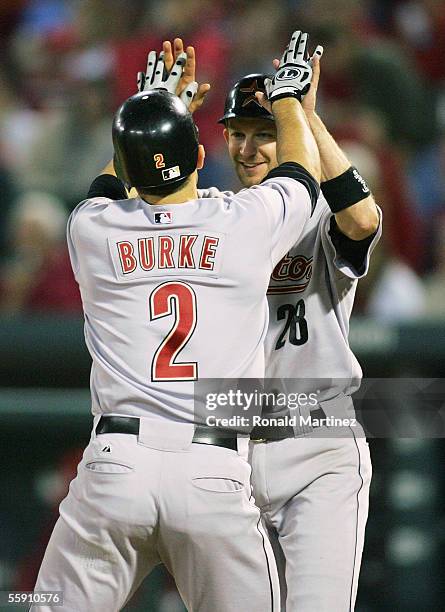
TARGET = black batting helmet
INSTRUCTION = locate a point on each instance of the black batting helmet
(155, 140)
(241, 101)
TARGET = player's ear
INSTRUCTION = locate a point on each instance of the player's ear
(201, 157)
(226, 135)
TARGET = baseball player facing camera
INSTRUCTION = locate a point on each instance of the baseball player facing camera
(168, 293)
(310, 480)
(309, 477)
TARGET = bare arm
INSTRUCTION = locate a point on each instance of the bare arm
(295, 141)
(109, 169)
(96, 190)
(359, 220)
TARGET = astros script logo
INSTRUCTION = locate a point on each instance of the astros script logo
(295, 271)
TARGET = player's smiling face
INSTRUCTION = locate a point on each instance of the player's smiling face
(252, 148)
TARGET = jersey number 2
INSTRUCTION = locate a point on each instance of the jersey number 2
(177, 299)
(295, 324)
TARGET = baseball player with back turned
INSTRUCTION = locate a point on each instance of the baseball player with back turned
(312, 484)
(168, 291)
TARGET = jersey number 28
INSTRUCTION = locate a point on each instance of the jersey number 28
(295, 325)
(175, 299)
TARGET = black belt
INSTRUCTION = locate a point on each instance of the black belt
(270, 432)
(202, 435)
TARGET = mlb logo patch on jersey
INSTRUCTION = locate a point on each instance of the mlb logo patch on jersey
(171, 173)
(163, 217)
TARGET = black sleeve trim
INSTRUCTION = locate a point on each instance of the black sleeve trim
(300, 174)
(107, 186)
(354, 252)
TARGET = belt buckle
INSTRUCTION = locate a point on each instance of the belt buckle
(258, 439)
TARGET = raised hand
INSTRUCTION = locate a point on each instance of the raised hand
(174, 70)
(309, 101)
(294, 71)
(158, 77)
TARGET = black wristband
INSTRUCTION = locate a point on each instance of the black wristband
(345, 190)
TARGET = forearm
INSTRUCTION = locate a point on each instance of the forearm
(332, 159)
(295, 141)
(361, 219)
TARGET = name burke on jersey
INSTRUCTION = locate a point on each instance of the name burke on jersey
(165, 252)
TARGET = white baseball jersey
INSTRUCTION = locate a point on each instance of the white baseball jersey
(176, 293)
(308, 485)
(310, 296)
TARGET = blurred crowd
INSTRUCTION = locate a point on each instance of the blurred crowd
(66, 65)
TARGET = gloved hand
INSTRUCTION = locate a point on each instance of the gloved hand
(157, 77)
(294, 73)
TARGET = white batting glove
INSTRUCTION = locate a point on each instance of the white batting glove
(156, 77)
(294, 73)
(317, 53)
(189, 93)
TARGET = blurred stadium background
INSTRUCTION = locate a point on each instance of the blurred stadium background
(65, 65)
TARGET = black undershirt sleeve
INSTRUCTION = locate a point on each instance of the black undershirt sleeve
(300, 174)
(107, 186)
(352, 251)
